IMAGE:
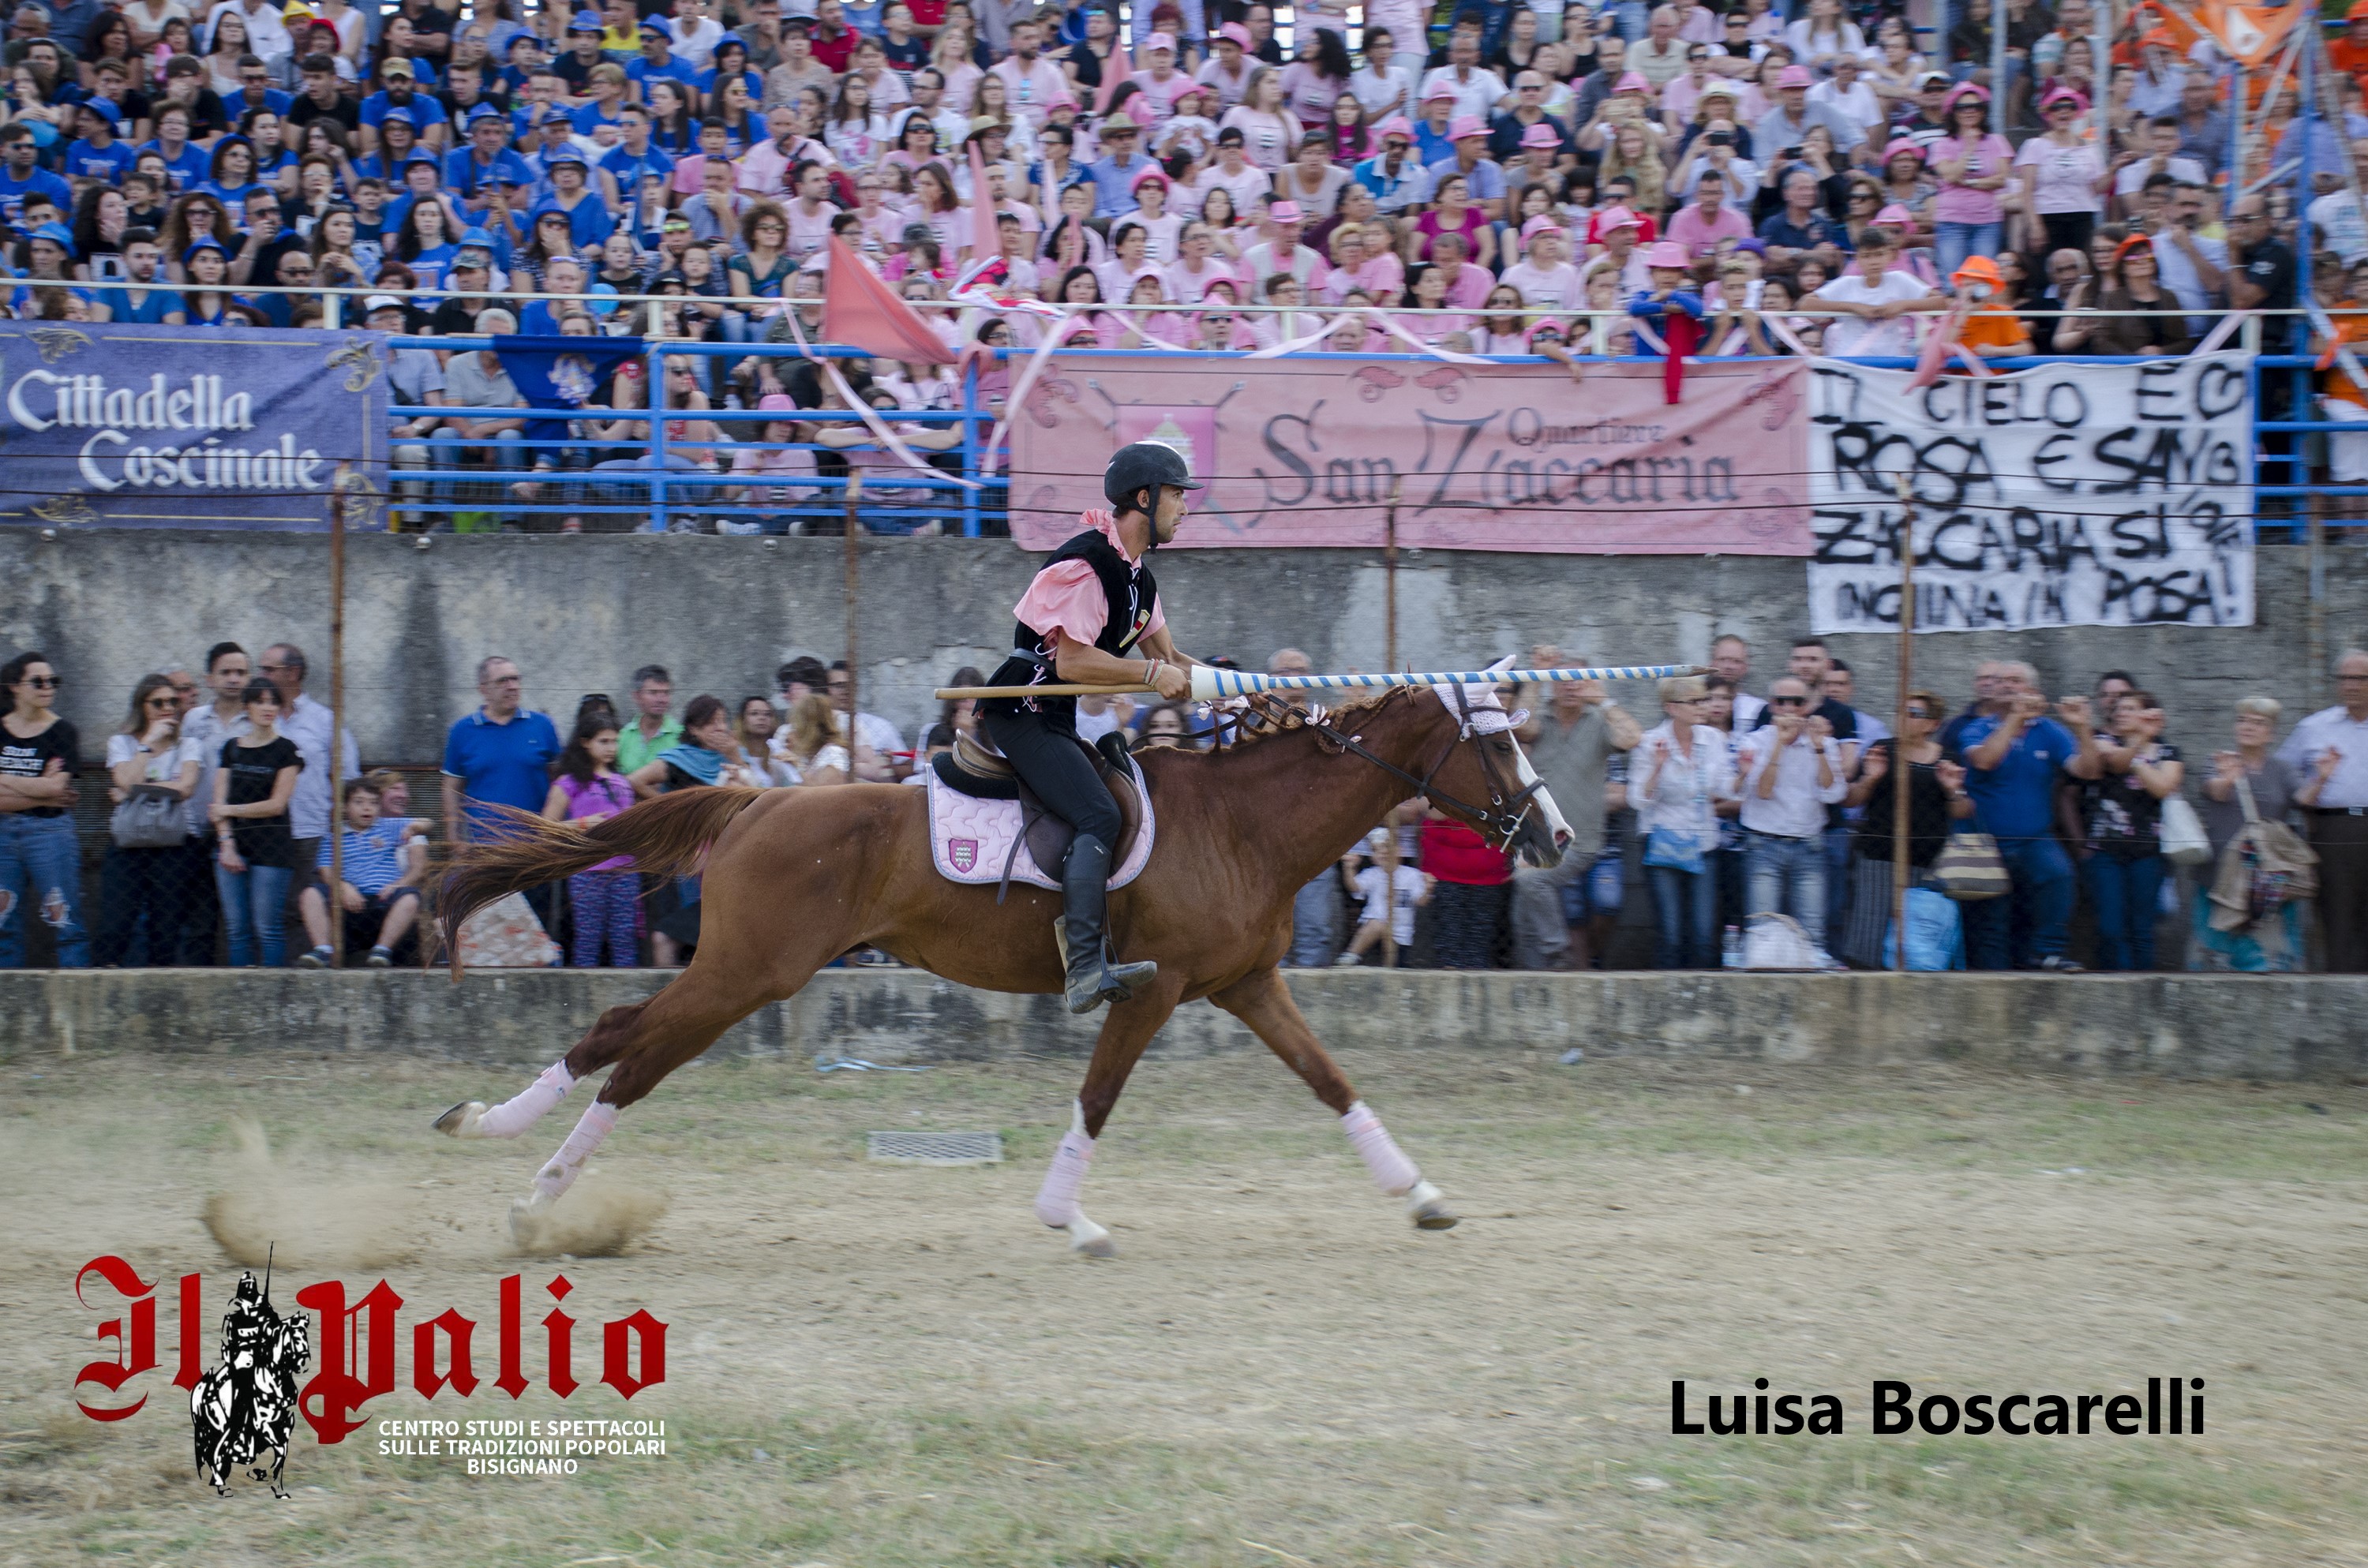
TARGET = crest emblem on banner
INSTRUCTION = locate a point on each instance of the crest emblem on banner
(963, 852)
(1191, 431)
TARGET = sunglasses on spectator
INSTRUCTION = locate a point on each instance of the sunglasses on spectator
(1790, 702)
(44, 683)
(162, 700)
(1919, 712)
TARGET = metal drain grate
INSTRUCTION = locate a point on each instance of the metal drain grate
(937, 1148)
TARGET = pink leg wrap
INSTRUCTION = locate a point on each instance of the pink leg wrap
(1056, 1201)
(530, 1105)
(568, 1164)
(1392, 1172)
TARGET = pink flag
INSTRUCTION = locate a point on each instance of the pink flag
(1937, 345)
(1116, 71)
(985, 242)
(859, 309)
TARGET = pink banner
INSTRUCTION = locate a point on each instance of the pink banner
(1306, 451)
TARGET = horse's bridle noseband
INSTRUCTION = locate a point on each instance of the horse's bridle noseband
(1508, 807)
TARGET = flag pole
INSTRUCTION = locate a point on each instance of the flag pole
(1900, 768)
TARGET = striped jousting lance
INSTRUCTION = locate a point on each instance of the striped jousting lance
(1210, 684)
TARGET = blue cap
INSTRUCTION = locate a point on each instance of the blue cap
(585, 22)
(659, 25)
(214, 246)
(422, 156)
(485, 112)
(57, 234)
(568, 154)
(476, 237)
(106, 108)
(404, 112)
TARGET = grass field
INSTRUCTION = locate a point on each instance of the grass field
(876, 1367)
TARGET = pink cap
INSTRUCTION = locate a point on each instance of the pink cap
(1542, 224)
(1612, 218)
(1237, 32)
(1794, 76)
(2064, 95)
(1439, 95)
(1668, 253)
(1160, 40)
(1546, 326)
(1397, 125)
(1285, 212)
(1540, 135)
(1062, 99)
(1464, 125)
(775, 403)
(1895, 216)
(1902, 144)
(1632, 82)
(1150, 177)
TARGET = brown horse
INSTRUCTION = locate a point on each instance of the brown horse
(794, 877)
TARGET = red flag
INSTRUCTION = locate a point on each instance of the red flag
(985, 242)
(861, 311)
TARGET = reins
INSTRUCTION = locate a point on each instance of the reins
(1508, 807)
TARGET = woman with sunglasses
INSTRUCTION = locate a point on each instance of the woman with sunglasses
(2064, 177)
(39, 862)
(1936, 798)
(148, 884)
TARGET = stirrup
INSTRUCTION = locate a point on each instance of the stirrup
(1085, 987)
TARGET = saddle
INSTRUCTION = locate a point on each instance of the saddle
(986, 826)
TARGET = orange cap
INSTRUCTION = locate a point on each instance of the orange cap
(2359, 12)
(1978, 269)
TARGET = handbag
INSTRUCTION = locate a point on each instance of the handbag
(2185, 842)
(1970, 869)
(1678, 849)
(151, 817)
(2266, 867)
(1936, 938)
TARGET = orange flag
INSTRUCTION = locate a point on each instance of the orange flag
(861, 311)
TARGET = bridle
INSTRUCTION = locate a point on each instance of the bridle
(1509, 802)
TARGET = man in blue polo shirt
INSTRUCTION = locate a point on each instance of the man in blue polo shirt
(20, 177)
(657, 62)
(486, 159)
(96, 154)
(2014, 759)
(501, 755)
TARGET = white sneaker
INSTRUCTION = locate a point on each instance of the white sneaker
(1348, 960)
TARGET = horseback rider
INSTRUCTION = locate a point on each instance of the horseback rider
(1092, 617)
(246, 1334)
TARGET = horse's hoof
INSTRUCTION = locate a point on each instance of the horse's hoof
(1427, 1206)
(528, 1216)
(464, 1121)
(1089, 1240)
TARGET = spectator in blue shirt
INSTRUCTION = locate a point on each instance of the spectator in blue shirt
(1115, 171)
(401, 92)
(185, 161)
(255, 92)
(2014, 760)
(588, 223)
(632, 157)
(95, 154)
(20, 177)
(377, 893)
(486, 157)
(501, 755)
(657, 61)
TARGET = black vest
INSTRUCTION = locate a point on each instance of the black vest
(1131, 592)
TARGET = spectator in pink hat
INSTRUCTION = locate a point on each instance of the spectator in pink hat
(1395, 177)
(1703, 224)
(1228, 69)
(1780, 131)
(1362, 262)
(2064, 177)
(1484, 177)
(1629, 103)
(1281, 250)
(1163, 230)
(1905, 185)
(1527, 123)
(1544, 276)
(1159, 79)
(1434, 112)
(1669, 306)
(1537, 156)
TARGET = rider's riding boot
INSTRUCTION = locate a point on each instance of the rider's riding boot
(1090, 979)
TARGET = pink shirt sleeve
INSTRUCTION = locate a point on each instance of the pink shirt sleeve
(1067, 598)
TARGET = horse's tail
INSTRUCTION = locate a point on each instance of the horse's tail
(664, 837)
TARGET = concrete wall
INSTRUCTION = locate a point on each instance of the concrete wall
(580, 614)
(2226, 1026)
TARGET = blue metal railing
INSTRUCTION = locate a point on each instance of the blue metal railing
(662, 481)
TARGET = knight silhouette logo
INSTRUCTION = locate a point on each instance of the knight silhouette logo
(244, 1408)
(247, 1406)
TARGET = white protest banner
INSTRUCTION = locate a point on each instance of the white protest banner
(2075, 495)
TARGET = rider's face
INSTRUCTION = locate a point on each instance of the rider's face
(1173, 510)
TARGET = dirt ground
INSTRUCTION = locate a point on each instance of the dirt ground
(872, 1366)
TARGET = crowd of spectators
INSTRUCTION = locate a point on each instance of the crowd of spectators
(1476, 177)
(1732, 803)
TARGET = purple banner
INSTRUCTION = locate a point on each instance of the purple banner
(175, 426)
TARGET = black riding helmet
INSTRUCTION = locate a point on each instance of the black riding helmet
(1140, 466)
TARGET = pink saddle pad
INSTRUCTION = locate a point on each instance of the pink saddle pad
(969, 839)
